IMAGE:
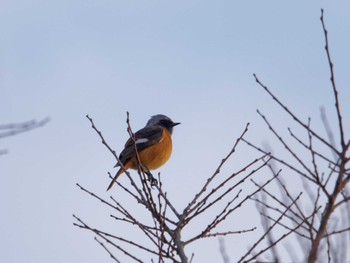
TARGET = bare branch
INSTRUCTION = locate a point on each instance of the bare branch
(335, 91)
(295, 118)
(267, 232)
(204, 188)
(108, 251)
(12, 129)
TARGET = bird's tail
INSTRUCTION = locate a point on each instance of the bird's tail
(120, 171)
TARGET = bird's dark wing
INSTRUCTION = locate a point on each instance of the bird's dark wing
(143, 139)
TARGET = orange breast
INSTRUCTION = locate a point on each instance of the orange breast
(156, 155)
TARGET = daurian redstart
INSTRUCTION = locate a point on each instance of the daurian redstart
(153, 143)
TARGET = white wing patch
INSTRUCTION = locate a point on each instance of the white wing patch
(141, 140)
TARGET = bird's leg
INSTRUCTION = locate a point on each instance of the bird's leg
(151, 178)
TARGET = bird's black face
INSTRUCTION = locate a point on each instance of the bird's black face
(163, 121)
(168, 124)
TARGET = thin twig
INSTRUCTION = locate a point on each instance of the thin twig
(335, 91)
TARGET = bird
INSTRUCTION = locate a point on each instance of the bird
(153, 144)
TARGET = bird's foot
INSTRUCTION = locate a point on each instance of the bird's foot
(151, 179)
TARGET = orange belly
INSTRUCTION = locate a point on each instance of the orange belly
(154, 156)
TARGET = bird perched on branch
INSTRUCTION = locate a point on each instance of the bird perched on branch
(153, 144)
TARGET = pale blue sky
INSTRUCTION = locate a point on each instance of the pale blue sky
(190, 60)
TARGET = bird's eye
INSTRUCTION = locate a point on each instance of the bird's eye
(164, 122)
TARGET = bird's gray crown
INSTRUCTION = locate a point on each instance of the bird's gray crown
(157, 119)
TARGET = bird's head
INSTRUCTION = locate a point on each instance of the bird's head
(163, 121)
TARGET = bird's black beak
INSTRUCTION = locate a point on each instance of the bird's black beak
(175, 123)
